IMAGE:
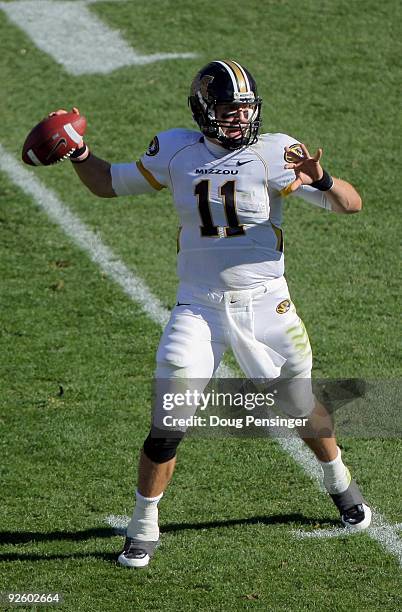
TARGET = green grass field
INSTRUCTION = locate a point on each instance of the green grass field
(78, 354)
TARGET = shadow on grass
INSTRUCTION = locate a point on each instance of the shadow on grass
(23, 537)
(110, 557)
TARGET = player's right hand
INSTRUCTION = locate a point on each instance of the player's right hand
(62, 111)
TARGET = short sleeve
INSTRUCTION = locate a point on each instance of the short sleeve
(153, 165)
(128, 180)
(313, 196)
(280, 178)
(273, 152)
(150, 173)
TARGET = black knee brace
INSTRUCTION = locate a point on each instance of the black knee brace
(161, 449)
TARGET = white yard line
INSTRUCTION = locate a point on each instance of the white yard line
(382, 532)
(334, 532)
(75, 37)
(118, 522)
(385, 534)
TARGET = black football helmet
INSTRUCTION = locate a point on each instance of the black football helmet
(225, 82)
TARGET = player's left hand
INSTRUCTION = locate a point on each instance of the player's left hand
(307, 168)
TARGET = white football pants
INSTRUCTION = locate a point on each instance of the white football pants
(261, 326)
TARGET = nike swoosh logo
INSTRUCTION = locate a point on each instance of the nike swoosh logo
(61, 141)
(239, 163)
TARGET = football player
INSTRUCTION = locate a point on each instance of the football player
(229, 184)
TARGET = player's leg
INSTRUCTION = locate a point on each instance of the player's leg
(143, 529)
(188, 354)
(278, 325)
(346, 495)
(154, 476)
(319, 423)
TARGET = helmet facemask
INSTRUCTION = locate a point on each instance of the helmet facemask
(246, 131)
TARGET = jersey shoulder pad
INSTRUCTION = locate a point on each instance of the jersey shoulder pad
(165, 144)
(273, 146)
(272, 149)
(154, 164)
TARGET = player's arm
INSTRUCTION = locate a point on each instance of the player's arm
(109, 180)
(95, 173)
(310, 176)
(344, 197)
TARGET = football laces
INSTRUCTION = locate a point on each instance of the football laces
(66, 156)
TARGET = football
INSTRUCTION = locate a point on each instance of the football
(53, 139)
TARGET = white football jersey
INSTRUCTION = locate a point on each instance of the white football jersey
(229, 204)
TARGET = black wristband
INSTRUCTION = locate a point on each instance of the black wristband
(79, 151)
(325, 183)
(82, 152)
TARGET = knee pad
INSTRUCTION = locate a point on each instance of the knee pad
(161, 449)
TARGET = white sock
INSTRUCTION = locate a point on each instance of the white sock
(144, 522)
(336, 475)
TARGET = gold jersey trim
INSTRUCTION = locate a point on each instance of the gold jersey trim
(178, 238)
(149, 176)
(279, 237)
(286, 190)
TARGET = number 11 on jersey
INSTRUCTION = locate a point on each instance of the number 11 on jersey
(228, 194)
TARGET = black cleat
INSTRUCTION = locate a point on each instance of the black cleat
(357, 517)
(355, 514)
(137, 553)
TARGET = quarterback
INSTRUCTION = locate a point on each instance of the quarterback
(228, 183)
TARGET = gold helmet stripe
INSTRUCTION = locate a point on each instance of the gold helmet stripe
(243, 79)
(242, 83)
